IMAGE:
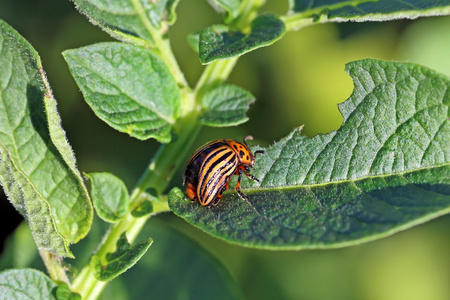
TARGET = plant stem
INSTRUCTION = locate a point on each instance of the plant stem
(248, 10)
(54, 267)
(156, 176)
(166, 161)
(160, 43)
(214, 74)
(165, 52)
(168, 158)
(85, 283)
(296, 22)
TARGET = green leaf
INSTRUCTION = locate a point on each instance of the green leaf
(118, 262)
(368, 10)
(26, 284)
(63, 292)
(130, 20)
(193, 41)
(219, 42)
(225, 105)
(152, 204)
(128, 87)
(231, 7)
(166, 11)
(173, 274)
(88, 246)
(143, 209)
(109, 196)
(386, 169)
(37, 166)
(32, 205)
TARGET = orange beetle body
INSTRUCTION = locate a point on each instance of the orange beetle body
(210, 169)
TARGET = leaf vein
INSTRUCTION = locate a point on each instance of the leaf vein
(394, 132)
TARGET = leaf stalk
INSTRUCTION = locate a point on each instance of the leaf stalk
(54, 267)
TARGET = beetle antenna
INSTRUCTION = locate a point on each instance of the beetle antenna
(248, 137)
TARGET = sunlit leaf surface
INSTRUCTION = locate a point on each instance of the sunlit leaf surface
(386, 169)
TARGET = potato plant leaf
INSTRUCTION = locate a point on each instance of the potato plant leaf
(386, 169)
(193, 40)
(37, 166)
(109, 196)
(63, 292)
(143, 209)
(231, 7)
(219, 42)
(368, 10)
(129, 20)
(32, 205)
(172, 274)
(128, 87)
(26, 284)
(122, 259)
(225, 105)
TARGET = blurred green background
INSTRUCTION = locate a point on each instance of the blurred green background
(299, 80)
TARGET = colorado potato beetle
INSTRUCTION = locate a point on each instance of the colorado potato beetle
(210, 169)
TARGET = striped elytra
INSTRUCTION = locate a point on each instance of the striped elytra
(210, 169)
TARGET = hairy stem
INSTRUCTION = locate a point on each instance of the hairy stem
(54, 267)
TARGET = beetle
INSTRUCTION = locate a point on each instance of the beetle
(210, 169)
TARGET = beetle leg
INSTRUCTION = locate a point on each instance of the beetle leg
(259, 152)
(215, 201)
(226, 187)
(253, 178)
(242, 195)
(191, 192)
(219, 196)
(246, 170)
(238, 187)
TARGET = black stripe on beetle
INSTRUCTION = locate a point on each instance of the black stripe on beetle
(215, 173)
